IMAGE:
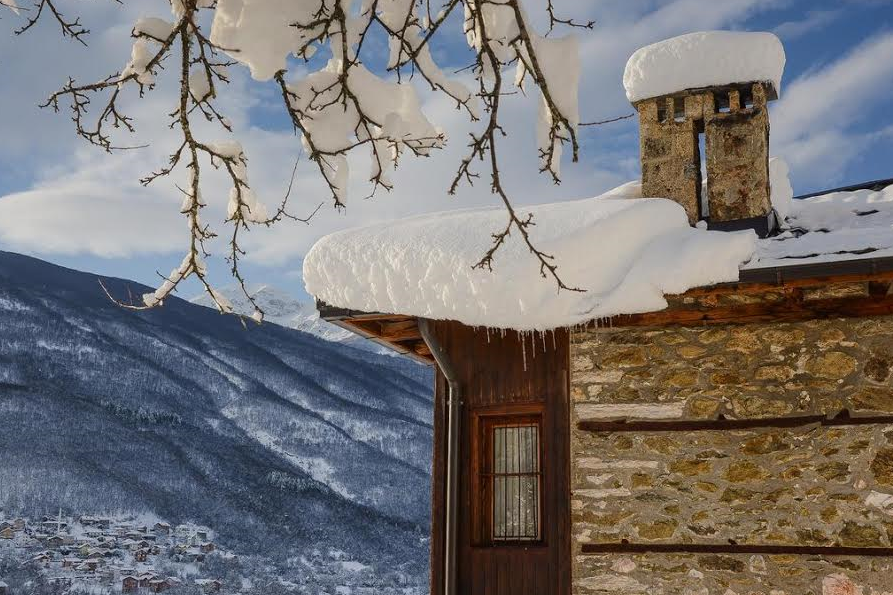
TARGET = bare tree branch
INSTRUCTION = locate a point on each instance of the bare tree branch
(555, 20)
(608, 121)
(70, 27)
(336, 93)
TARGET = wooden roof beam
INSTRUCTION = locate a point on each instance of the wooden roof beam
(793, 309)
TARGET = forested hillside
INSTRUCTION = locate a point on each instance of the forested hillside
(278, 440)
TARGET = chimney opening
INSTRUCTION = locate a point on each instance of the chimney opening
(679, 109)
(703, 181)
(746, 95)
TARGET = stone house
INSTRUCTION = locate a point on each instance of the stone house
(129, 584)
(737, 441)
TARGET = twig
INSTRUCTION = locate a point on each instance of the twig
(617, 119)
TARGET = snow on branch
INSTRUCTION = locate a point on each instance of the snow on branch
(339, 106)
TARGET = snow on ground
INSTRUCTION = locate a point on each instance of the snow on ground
(703, 59)
(625, 253)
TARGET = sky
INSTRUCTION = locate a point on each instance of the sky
(67, 202)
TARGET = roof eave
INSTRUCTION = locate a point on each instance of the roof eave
(369, 324)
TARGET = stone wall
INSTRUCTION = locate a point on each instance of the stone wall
(737, 147)
(737, 151)
(670, 154)
(810, 485)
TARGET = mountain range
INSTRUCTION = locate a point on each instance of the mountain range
(281, 441)
(285, 310)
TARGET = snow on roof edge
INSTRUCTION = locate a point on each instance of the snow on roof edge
(627, 254)
(631, 275)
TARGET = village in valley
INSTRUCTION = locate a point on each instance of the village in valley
(140, 554)
(98, 554)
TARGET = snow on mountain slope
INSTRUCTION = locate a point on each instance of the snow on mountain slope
(283, 309)
(277, 439)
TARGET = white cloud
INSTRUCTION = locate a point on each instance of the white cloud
(94, 209)
(815, 20)
(634, 25)
(81, 201)
(815, 124)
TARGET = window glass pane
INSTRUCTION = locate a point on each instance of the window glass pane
(530, 506)
(499, 527)
(499, 450)
(516, 483)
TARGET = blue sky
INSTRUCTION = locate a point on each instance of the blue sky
(73, 205)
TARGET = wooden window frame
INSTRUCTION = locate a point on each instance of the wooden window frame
(483, 423)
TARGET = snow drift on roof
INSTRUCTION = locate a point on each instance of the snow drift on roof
(705, 59)
(832, 227)
(625, 253)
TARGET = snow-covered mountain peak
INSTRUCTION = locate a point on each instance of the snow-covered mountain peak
(283, 309)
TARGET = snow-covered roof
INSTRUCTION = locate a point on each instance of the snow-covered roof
(703, 59)
(832, 227)
(626, 252)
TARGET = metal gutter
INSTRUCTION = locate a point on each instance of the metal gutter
(872, 185)
(778, 275)
(453, 412)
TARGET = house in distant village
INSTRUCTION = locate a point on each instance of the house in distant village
(714, 415)
(209, 585)
(56, 541)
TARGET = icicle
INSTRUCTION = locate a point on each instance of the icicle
(523, 352)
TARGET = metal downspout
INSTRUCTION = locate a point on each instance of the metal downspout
(454, 406)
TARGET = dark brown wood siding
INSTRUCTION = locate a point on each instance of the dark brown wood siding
(496, 369)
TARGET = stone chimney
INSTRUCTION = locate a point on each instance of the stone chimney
(732, 120)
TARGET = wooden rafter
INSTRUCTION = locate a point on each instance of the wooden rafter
(400, 333)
